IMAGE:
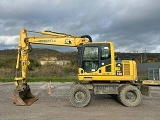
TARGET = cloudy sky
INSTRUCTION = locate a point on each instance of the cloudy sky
(132, 25)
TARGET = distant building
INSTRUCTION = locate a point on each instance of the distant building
(54, 60)
(146, 66)
(58, 62)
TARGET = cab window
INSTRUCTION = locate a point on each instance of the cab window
(90, 59)
(105, 52)
(90, 53)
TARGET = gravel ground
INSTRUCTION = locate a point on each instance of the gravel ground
(57, 106)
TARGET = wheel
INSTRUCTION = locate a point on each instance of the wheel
(130, 96)
(79, 96)
(119, 89)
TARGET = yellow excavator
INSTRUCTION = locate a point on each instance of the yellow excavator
(100, 72)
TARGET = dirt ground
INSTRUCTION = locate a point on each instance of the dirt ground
(57, 106)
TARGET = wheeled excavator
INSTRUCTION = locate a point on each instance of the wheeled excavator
(99, 72)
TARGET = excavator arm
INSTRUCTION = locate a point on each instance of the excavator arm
(22, 94)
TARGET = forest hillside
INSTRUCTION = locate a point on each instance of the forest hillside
(8, 62)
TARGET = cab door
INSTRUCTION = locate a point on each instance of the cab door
(105, 57)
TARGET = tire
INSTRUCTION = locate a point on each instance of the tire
(79, 96)
(119, 89)
(130, 96)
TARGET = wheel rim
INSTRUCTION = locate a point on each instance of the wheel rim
(79, 96)
(131, 96)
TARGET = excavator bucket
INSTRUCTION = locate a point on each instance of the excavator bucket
(23, 97)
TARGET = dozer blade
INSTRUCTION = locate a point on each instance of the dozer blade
(22, 96)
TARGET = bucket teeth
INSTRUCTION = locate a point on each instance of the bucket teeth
(23, 96)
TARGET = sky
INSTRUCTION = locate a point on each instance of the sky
(132, 25)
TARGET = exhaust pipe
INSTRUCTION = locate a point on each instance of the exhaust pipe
(22, 96)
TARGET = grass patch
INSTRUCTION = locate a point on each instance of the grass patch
(6, 79)
(43, 79)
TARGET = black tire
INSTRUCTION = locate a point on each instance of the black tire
(130, 96)
(79, 96)
(119, 89)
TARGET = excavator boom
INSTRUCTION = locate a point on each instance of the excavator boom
(22, 93)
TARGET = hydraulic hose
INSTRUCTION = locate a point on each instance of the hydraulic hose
(87, 36)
